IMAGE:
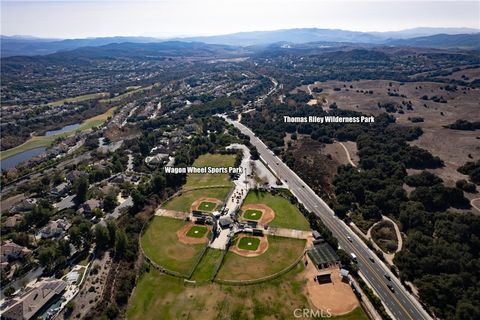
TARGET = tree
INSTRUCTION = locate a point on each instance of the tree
(75, 236)
(110, 202)
(47, 256)
(138, 200)
(9, 292)
(63, 247)
(80, 187)
(101, 237)
(112, 232)
(121, 243)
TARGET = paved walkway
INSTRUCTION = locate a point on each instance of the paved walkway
(288, 233)
(221, 241)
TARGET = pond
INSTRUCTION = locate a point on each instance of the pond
(12, 161)
(62, 130)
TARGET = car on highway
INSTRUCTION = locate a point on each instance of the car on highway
(349, 238)
(391, 288)
(388, 277)
(371, 259)
(353, 256)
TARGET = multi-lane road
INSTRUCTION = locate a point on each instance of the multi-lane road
(400, 304)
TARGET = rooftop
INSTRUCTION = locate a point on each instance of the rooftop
(322, 253)
(32, 301)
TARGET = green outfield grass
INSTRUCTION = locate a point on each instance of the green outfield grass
(122, 96)
(207, 206)
(281, 253)
(287, 215)
(81, 98)
(45, 141)
(159, 294)
(356, 314)
(252, 214)
(160, 243)
(184, 201)
(205, 180)
(197, 231)
(248, 243)
(207, 265)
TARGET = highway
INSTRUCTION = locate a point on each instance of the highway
(400, 303)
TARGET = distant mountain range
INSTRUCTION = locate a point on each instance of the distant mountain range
(464, 38)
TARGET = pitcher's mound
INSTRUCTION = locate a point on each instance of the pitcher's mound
(193, 234)
(250, 246)
(205, 204)
(258, 212)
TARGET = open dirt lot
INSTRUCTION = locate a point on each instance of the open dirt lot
(336, 296)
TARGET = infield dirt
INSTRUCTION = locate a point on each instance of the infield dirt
(267, 213)
(183, 238)
(262, 247)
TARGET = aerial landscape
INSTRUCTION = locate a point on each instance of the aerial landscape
(240, 160)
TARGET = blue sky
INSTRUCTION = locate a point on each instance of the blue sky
(168, 18)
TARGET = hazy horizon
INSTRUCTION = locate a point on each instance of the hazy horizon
(187, 18)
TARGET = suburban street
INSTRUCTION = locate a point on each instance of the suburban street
(400, 303)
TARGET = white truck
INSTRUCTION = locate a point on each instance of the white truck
(354, 257)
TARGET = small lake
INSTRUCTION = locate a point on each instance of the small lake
(28, 154)
(20, 157)
(62, 130)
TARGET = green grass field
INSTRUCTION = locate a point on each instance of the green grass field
(208, 264)
(197, 231)
(158, 294)
(45, 141)
(286, 214)
(207, 206)
(281, 253)
(356, 314)
(122, 96)
(248, 243)
(252, 214)
(184, 201)
(160, 243)
(81, 98)
(205, 180)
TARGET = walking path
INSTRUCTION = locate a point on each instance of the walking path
(348, 154)
(388, 256)
(474, 205)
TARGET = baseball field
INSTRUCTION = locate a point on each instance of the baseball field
(184, 201)
(281, 253)
(161, 244)
(287, 215)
